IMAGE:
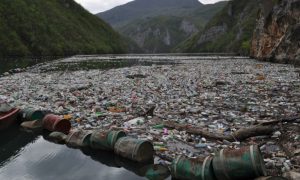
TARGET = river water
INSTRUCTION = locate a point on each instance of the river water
(28, 156)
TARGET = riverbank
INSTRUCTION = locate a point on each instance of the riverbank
(217, 94)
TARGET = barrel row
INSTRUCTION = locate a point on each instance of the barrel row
(130, 148)
(116, 141)
(228, 164)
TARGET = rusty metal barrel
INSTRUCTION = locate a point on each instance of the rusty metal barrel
(134, 149)
(192, 169)
(243, 163)
(30, 114)
(79, 138)
(53, 122)
(105, 140)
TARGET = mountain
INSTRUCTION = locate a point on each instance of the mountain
(133, 10)
(230, 30)
(276, 37)
(157, 26)
(53, 27)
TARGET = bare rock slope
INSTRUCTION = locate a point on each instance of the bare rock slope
(277, 34)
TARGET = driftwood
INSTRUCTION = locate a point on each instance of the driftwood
(239, 135)
(263, 128)
(150, 112)
(295, 119)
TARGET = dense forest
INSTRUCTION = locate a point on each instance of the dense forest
(53, 27)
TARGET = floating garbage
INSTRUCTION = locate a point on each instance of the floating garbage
(105, 140)
(134, 149)
(243, 163)
(78, 138)
(216, 96)
(57, 137)
(134, 122)
(32, 125)
(53, 122)
(29, 114)
(193, 169)
(4, 107)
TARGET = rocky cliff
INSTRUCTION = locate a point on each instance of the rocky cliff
(159, 34)
(230, 30)
(277, 34)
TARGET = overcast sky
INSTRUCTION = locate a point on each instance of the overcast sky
(95, 6)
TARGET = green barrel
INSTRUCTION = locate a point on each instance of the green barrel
(134, 149)
(105, 140)
(157, 172)
(78, 139)
(192, 169)
(244, 163)
(32, 114)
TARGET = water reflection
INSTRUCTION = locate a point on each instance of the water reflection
(12, 142)
(29, 156)
(103, 64)
(7, 64)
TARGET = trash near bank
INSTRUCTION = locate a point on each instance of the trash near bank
(192, 110)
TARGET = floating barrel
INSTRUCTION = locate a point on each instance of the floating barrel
(32, 114)
(53, 122)
(78, 139)
(134, 149)
(244, 163)
(157, 172)
(193, 169)
(105, 140)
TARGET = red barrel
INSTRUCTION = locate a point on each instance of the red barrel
(56, 123)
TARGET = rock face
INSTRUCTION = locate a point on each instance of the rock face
(277, 34)
(159, 34)
(230, 30)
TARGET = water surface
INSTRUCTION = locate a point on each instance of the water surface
(29, 156)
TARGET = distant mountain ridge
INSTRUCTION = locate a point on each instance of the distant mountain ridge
(120, 15)
(157, 26)
(53, 27)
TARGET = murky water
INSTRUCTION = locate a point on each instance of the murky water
(7, 64)
(103, 62)
(29, 156)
